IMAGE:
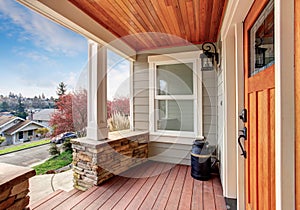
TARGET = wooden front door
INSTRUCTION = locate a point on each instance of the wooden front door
(260, 105)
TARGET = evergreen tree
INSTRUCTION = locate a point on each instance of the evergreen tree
(4, 106)
(61, 89)
(21, 110)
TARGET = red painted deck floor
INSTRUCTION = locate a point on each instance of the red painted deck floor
(152, 185)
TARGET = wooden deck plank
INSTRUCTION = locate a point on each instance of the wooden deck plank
(51, 204)
(154, 186)
(138, 171)
(80, 198)
(92, 197)
(218, 194)
(49, 197)
(125, 201)
(187, 191)
(208, 195)
(197, 198)
(149, 201)
(118, 195)
(141, 195)
(107, 194)
(166, 190)
(174, 198)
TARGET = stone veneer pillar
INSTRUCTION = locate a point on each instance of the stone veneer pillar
(14, 186)
(96, 161)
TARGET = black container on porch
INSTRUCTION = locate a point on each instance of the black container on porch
(201, 160)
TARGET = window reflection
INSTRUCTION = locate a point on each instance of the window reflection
(262, 41)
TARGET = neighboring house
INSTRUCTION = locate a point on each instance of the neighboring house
(5, 114)
(175, 100)
(17, 130)
(43, 116)
(7, 122)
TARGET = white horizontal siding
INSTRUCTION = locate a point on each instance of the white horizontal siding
(141, 93)
(171, 153)
(210, 106)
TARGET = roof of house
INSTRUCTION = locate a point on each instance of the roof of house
(19, 126)
(43, 115)
(4, 120)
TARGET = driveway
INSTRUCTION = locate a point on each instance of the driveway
(28, 157)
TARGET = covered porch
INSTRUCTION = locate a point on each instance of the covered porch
(160, 38)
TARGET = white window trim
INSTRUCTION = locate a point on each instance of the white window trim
(176, 58)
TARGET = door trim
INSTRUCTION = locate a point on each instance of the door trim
(284, 104)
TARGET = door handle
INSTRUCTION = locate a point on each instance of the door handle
(243, 136)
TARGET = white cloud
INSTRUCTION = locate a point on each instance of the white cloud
(118, 81)
(42, 32)
(31, 54)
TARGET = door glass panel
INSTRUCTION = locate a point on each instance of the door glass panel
(262, 41)
(175, 79)
(175, 115)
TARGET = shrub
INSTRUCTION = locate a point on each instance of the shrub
(118, 122)
(53, 150)
(42, 131)
(67, 145)
(2, 139)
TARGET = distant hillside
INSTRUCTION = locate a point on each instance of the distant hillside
(10, 103)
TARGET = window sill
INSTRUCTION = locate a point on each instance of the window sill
(172, 139)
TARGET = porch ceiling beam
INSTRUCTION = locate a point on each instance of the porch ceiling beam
(66, 14)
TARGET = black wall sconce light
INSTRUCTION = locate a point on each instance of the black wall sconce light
(209, 60)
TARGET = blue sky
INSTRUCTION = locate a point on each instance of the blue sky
(36, 54)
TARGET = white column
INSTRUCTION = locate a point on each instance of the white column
(284, 104)
(229, 160)
(97, 84)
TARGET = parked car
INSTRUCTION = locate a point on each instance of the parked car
(62, 137)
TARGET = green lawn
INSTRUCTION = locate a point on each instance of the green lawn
(54, 163)
(24, 146)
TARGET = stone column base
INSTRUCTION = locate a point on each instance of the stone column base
(96, 161)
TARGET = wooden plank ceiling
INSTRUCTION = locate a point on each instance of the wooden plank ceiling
(151, 24)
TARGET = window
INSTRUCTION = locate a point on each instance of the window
(21, 135)
(262, 41)
(175, 94)
(30, 133)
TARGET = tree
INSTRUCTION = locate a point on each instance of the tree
(71, 114)
(62, 119)
(2, 139)
(120, 105)
(42, 131)
(61, 89)
(21, 110)
(80, 112)
(4, 106)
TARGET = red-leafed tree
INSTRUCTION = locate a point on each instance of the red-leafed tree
(62, 119)
(71, 114)
(80, 112)
(119, 105)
